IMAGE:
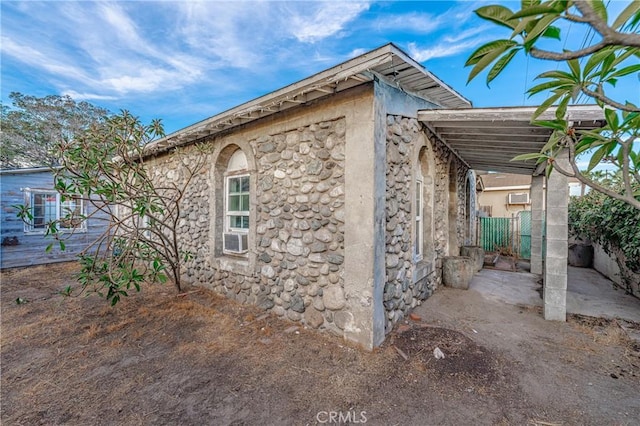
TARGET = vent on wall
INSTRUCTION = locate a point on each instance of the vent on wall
(519, 198)
(235, 242)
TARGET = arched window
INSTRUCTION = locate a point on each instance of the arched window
(233, 202)
(423, 243)
(419, 243)
(237, 194)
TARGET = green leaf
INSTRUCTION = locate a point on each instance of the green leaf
(534, 11)
(595, 60)
(560, 125)
(501, 64)
(574, 66)
(546, 104)
(486, 60)
(557, 75)
(612, 118)
(499, 14)
(597, 157)
(49, 247)
(542, 24)
(561, 111)
(554, 84)
(529, 156)
(62, 245)
(552, 32)
(626, 71)
(483, 50)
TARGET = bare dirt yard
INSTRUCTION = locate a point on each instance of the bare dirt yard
(159, 358)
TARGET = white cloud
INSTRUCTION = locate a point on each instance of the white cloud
(328, 19)
(96, 50)
(88, 96)
(440, 50)
(356, 52)
(421, 23)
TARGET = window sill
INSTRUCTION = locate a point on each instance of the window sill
(236, 264)
(422, 269)
(60, 231)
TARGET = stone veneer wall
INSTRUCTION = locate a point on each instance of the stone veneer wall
(404, 289)
(299, 214)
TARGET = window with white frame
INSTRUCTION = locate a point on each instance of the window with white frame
(237, 190)
(418, 218)
(46, 206)
(237, 210)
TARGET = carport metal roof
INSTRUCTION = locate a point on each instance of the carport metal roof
(488, 138)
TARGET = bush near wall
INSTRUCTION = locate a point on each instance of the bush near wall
(613, 224)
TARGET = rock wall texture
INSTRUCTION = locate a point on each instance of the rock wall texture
(298, 248)
(295, 265)
(410, 281)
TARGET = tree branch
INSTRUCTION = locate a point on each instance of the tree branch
(627, 196)
(607, 100)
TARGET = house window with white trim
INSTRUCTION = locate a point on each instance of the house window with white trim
(237, 210)
(237, 191)
(46, 206)
(419, 209)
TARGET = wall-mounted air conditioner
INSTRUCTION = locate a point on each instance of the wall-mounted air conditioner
(235, 242)
(519, 198)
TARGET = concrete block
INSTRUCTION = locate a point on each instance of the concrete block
(555, 313)
(556, 217)
(556, 197)
(555, 281)
(557, 265)
(557, 247)
(557, 231)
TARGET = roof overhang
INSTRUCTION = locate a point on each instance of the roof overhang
(489, 138)
(387, 63)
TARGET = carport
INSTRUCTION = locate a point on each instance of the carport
(488, 139)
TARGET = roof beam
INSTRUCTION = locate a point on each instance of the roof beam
(576, 113)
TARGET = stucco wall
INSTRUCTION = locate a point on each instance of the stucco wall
(609, 266)
(498, 200)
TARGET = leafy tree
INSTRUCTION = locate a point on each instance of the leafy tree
(33, 126)
(612, 55)
(106, 167)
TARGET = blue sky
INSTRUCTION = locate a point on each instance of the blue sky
(186, 61)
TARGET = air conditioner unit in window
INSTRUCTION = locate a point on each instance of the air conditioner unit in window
(235, 242)
(519, 198)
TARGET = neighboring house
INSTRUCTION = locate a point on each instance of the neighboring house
(24, 244)
(504, 194)
(507, 194)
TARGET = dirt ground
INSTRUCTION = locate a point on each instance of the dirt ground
(159, 358)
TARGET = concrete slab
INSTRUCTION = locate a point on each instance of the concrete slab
(588, 293)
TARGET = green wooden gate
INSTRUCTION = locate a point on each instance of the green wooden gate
(496, 233)
(524, 218)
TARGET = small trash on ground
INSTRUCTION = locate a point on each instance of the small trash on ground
(438, 353)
